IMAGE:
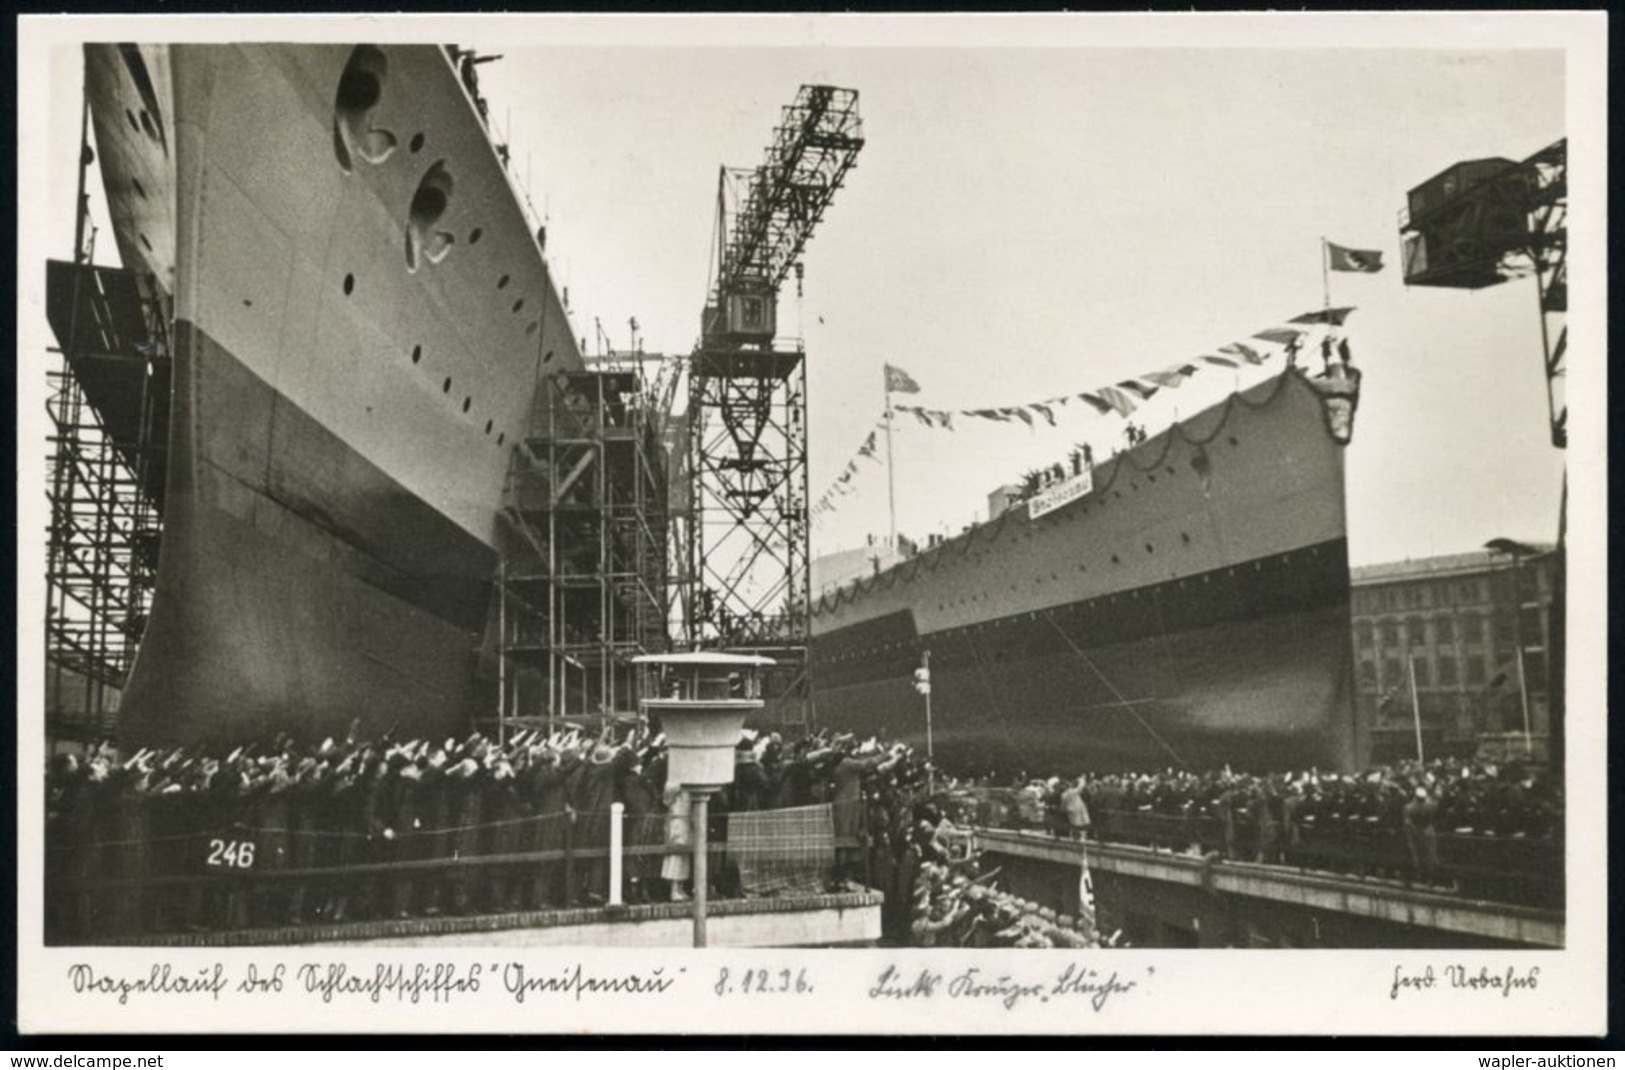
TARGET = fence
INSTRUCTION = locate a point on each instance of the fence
(1518, 869)
(133, 872)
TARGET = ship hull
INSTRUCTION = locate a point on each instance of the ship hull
(361, 313)
(1191, 611)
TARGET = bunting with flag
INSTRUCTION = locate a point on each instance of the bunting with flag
(1126, 396)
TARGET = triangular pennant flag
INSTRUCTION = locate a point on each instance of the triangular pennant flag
(1280, 335)
(1333, 316)
(1223, 362)
(1118, 400)
(1098, 403)
(1021, 414)
(1046, 412)
(1139, 390)
(1246, 353)
(946, 419)
(1171, 376)
(991, 414)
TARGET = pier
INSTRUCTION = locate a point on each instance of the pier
(1164, 899)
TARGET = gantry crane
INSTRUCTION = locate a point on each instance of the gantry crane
(743, 576)
(1482, 222)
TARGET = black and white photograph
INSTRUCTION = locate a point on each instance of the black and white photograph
(1049, 523)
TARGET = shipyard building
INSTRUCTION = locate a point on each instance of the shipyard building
(1456, 624)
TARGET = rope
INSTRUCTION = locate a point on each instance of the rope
(1049, 616)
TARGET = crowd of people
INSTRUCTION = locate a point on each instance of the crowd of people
(952, 904)
(1264, 818)
(421, 828)
(294, 834)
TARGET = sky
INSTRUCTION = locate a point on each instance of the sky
(1026, 222)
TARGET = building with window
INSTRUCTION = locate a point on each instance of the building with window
(1442, 635)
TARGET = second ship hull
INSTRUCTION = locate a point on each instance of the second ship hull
(1192, 611)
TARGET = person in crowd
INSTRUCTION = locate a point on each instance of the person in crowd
(1075, 809)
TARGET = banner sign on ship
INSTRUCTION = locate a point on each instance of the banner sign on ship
(1053, 497)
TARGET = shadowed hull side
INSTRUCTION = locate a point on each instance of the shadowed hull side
(1099, 686)
(283, 605)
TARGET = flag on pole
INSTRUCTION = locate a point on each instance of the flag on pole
(1341, 258)
(899, 381)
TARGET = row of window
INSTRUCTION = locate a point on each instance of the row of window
(1472, 671)
(1469, 627)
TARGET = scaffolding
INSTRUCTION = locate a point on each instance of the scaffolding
(747, 533)
(108, 405)
(582, 577)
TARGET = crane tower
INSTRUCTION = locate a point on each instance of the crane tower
(744, 582)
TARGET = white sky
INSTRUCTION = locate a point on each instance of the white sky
(1029, 222)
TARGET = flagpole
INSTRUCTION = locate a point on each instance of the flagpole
(1325, 274)
(1416, 707)
(891, 481)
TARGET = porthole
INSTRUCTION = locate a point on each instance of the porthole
(466, 403)
(475, 235)
(140, 191)
(146, 124)
(145, 242)
(1149, 549)
(130, 115)
(417, 354)
(488, 427)
(1232, 440)
(501, 436)
(445, 387)
(1185, 537)
(349, 285)
(547, 358)
(502, 283)
(417, 141)
(519, 304)
(1116, 560)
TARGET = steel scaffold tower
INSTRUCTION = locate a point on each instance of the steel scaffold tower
(108, 407)
(582, 580)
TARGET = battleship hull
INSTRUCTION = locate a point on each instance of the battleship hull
(360, 314)
(1191, 610)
